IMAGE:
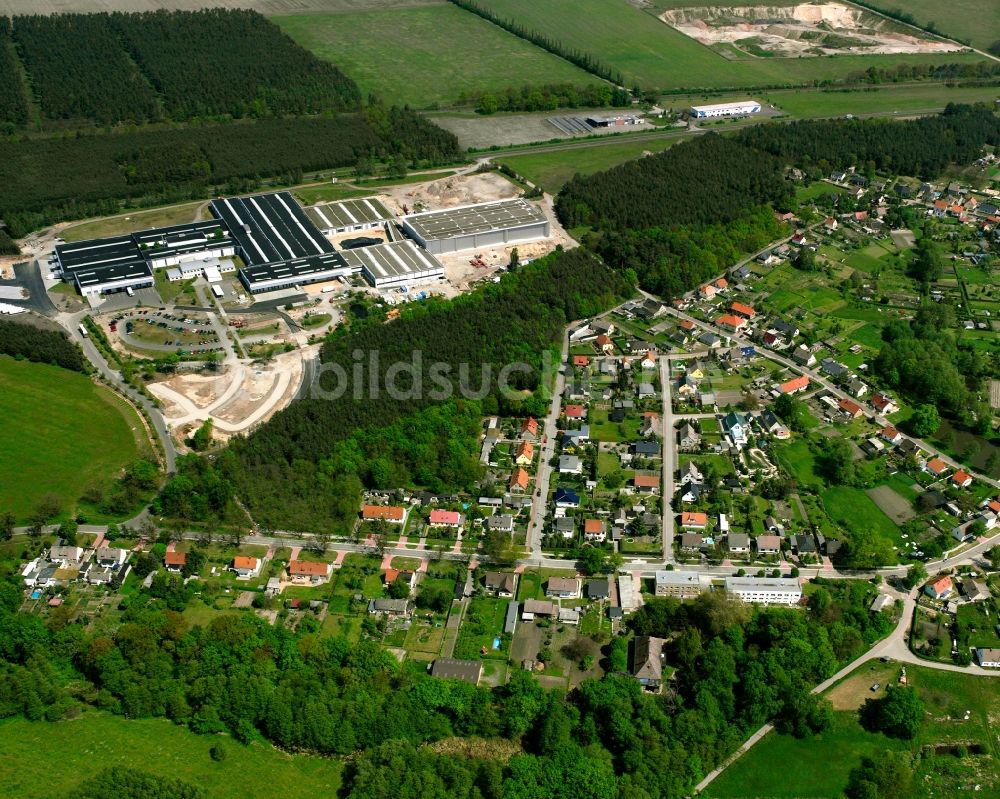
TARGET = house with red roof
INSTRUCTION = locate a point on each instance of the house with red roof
(518, 480)
(574, 411)
(308, 571)
(890, 434)
(687, 325)
(939, 589)
(594, 530)
(694, 520)
(604, 343)
(961, 479)
(581, 360)
(743, 310)
(707, 292)
(524, 454)
(529, 428)
(445, 518)
(731, 322)
(883, 404)
(383, 513)
(646, 483)
(174, 561)
(721, 284)
(850, 408)
(795, 385)
(936, 466)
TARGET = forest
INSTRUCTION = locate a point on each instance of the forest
(174, 65)
(152, 167)
(13, 102)
(305, 468)
(546, 98)
(21, 340)
(737, 667)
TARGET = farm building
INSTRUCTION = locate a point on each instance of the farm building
(346, 216)
(296, 272)
(725, 109)
(468, 227)
(397, 263)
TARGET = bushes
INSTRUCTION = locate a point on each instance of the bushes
(45, 346)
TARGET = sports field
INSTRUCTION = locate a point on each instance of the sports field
(60, 434)
(98, 740)
(910, 98)
(428, 55)
(552, 170)
(975, 21)
(649, 52)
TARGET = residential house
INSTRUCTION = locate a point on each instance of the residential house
(786, 329)
(602, 327)
(605, 344)
(391, 608)
(707, 292)
(646, 483)
(768, 544)
(563, 587)
(738, 543)
(408, 578)
(174, 561)
(743, 309)
(307, 571)
(691, 491)
(647, 661)
(692, 542)
(834, 369)
(111, 557)
(470, 671)
(734, 425)
(881, 602)
(850, 408)
(392, 514)
(857, 388)
(961, 479)
(803, 356)
(650, 309)
(772, 425)
(574, 411)
(678, 584)
(594, 530)
(646, 449)
(688, 437)
(565, 526)
(538, 607)
(572, 438)
(891, 435)
(581, 361)
(805, 544)
(731, 322)
(529, 428)
(518, 480)
(646, 390)
(246, 567)
(974, 590)
(445, 518)
(830, 224)
(694, 520)
(939, 589)
(988, 658)
(795, 385)
(566, 498)
(570, 464)
(650, 426)
(598, 588)
(883, 404)
(710, 340)
(501, 584)
(65, 554)
(936, 467)
(503, 523)
(648, 360)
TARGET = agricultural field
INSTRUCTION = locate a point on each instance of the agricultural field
(552, 170)
(426, 56)
(62, 434)
(819, 766)
(97, 740)
(903, 99)
(649, 52)
(975, 21)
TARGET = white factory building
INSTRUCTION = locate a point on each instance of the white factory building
(470, 227)
(766, 590)
(366, 213)
(740, 109)
(398, 263)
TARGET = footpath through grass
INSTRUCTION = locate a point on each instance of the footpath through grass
(427, 55)
(97, 740)
(60, 434)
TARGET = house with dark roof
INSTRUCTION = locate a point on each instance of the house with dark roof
(501, 584)
(647, 661)
(470, 671)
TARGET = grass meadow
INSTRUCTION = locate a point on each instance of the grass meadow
(428, 55)
(97, 740)
(61, 433)
(907, 98)
(818, 767)
(649, 52)
(975, 21)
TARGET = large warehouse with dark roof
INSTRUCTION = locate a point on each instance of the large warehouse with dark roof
(468, 227)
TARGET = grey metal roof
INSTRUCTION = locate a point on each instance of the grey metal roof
(348, 212)
(393, 260)
(479, 218)
(97, 253)
(297, 268)
(111, 273)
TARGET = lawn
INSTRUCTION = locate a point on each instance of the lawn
(855, 510)
(797, 459)
(61, 434)
(426, 56)
(976, 21)
(138, 220)
(905, 98)
(483, 622)
(552, 170)
(98, 740)
(819, 766)
(654, 55)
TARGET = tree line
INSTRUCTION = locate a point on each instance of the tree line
(96, 173)
(306, 467)
(27, 341)
(175, 65)
(583, 60)
(737, 667)
(547, 97)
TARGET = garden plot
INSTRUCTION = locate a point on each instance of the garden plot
(896, 507)
(807, 29)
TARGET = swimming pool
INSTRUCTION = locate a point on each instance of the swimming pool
(496, 643)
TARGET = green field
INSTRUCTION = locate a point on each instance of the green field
(654, 55)
(818, 767)
(903, 99)
(975, 21)
(552, 170)
(854, 509)
(60, 434)
(137, 220)
(426, 56)
(98, 740)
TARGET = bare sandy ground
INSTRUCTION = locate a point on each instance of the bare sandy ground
(807, 29)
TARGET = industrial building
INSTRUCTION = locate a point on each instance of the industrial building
(193, 268)
(269, 228)
(170, 246)
(101, 266)
(398, 263)
(766, 590)
(469, 227)
(293, 273)
(740, 109)
(349, 215)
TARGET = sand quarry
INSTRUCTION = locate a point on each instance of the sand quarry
(808, 29)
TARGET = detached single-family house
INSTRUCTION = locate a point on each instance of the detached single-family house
(646, 483)
(110, 557)
(524, 453)
(563, 587)
(501, 584)
(393, 514)
(739, 543)
(890, 435)
(246, 567)
(936, 467)
(694, 520)
(574, 411)
(768, 544)
(734, 425)
(850, 408)
(518, 480)
(961, 479)
(65, 554)
(391, 608)
(743, 310)
(795, 385)
(538, 607)
(688, 437)
(988, 658)
(647, 661)
(692, 542)
(598, 588)
(974, 590)
(805, 544)
(594, 530)
(307, 571)
(174, 561)
(730, 322)
(803, 356)
(940, 589)
(565, 526)
(566, 498)
(529, 428)
(883, 404)
(646, 449)
(504, 523)
(570, 464)
(445, 518)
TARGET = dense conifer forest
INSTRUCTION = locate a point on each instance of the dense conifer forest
(305, 468)
(33, 343)
(737, 668)
(13, 105)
